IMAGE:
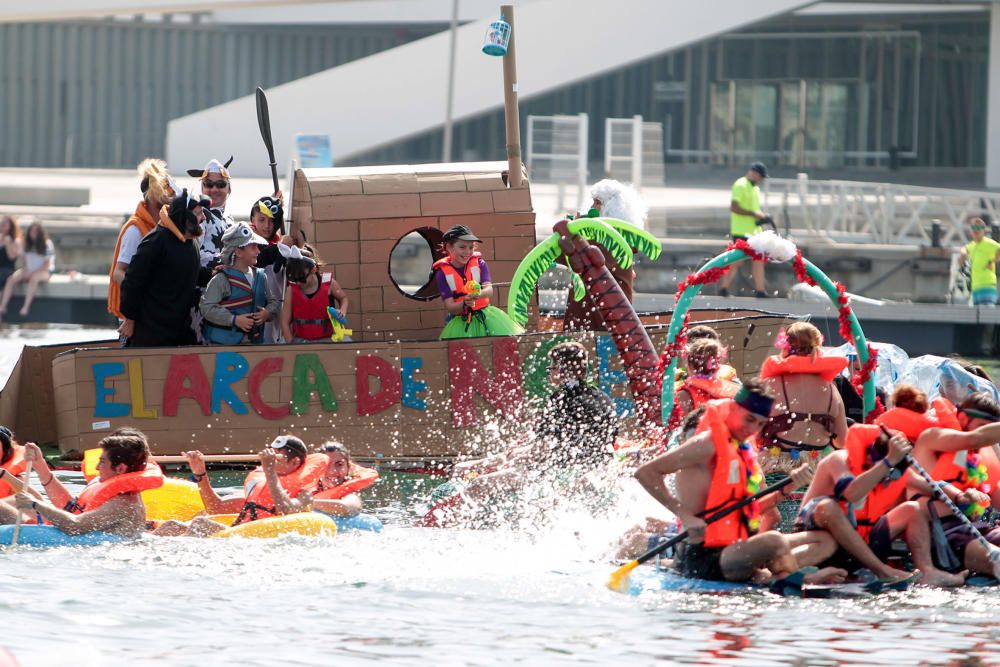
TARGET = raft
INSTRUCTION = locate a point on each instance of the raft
(50, 536)
(310, 524)
(650, 579)
(359, 522)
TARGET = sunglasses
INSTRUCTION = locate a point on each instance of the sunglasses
(215, 184)
(978, 228)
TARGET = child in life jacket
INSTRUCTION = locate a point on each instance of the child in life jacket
(463, 280)
(336, 493)
(12, 460)
(236, 303)
(702, 383)
(305, 317)
(267, 219)
(110, 503)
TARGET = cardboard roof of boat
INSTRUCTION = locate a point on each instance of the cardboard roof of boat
(379, 230)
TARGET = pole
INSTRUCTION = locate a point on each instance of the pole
(510, 103)
(446, 148)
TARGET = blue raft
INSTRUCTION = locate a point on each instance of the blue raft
(366, 522)
(50, 536)
(645, 579)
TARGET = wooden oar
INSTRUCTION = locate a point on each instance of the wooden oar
(210, 458)
(264, 121)
(17, 520)
(619, 578)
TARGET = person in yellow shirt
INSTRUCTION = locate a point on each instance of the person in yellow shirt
(982, 256)
(744, 221)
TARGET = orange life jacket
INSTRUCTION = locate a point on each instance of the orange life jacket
(358, 479)
(97, 492)
(946, 413)
(886, 494)
(457, 280)
(825, 367)
(259, 503)
(703, 390)
(15, 466)
(145, 223)
(729, 481)
(908, 422)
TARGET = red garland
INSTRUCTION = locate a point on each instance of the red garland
(844, 319)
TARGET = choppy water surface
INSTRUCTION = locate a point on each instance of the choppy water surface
(424, 596)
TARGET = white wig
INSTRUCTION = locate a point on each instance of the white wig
(620, 201)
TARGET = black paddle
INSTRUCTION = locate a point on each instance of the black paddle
(619, 578)
(264, 120)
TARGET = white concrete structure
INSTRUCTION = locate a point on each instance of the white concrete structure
(401, 93)
(993, 102)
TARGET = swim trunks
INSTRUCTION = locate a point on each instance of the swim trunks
(700, 562)
(959, 536)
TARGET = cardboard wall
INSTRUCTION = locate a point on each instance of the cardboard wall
(394, 400)
(355, 216)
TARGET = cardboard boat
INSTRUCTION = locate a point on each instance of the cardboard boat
(396, 393)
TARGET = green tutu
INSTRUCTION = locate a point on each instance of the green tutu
(490, 321)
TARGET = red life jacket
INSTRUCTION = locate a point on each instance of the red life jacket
(946, 413)
(703, 390)
(825, 367)
(97, 492)
(886, 495)
(458, 280)
(309, 315)
(259, 502)
(729, 481)
(15, 466)
(358, 479)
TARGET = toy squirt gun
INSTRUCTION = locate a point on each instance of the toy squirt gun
(339, 323)
(473, 289)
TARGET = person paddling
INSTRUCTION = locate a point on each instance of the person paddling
(716, 468)
(295, 467)
(858, 496)
(961, 457)
(336, 493)
(110, 503)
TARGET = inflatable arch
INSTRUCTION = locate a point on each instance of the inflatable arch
(770, 247)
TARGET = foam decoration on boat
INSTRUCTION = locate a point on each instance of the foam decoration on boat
(50, 536)
(177, 499)
(309, 524)
(538, 261)
(359, 522)
(636, 237)
(776, 248)
(806, 272)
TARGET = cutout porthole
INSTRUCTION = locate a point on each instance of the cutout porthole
(410, 263)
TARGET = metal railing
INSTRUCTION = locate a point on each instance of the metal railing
(886, 213)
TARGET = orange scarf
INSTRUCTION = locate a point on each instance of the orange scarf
(142, 220)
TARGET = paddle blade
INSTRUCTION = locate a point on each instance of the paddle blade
(90, 459)
(264, 121)
(618, 581)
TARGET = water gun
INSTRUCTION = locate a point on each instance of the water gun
(473, 289)
(339, 322)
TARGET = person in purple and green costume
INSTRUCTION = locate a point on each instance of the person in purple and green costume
(463, 279)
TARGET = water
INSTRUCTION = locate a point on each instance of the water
(424, 596)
